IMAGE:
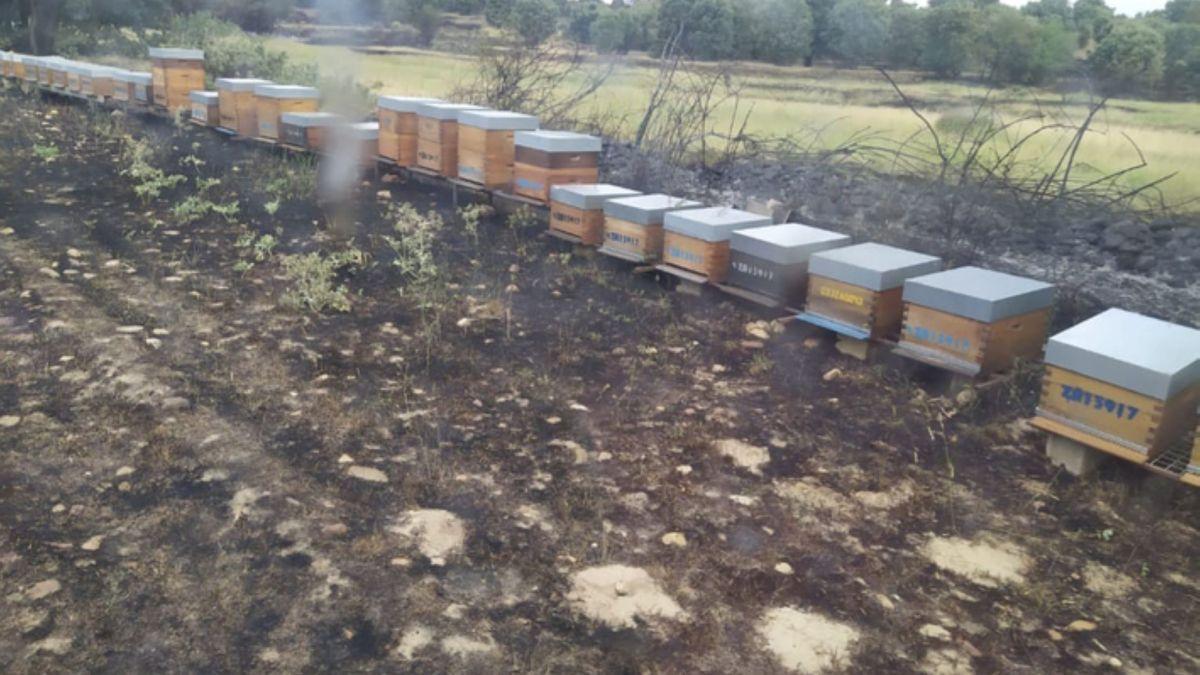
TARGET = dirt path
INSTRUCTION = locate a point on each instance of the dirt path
(590, 474)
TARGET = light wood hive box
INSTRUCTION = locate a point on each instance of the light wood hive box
(856, 290)
(122, 87)
(398, 128)
(633, 228)
(486, 146)
(176, 73)
(273, 100)
(206, 107)
(773, 260)
(697, 240)
(1125, 379)
(577, 210)
(365, 136)
(975, 321)
(437, 136)
(544, 159)
(238, 109)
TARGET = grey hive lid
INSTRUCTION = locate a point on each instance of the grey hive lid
(979, 294)
(876, 267)
(364, 131)
(310, 119)
(403, 104)
(646, 209)
(715, 223)
(141, 77)
(175, 53)
(205, 97)
(440, 110)
(557, 141)
(1136, 352)
(498, 120)
(240, 83)
(588, 196)
(786, 244)
(285, 91)
(93, 71)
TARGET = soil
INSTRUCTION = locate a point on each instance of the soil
(185, 460)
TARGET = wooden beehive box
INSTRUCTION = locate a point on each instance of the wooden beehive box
(365, 138)
(856, 290)
(273, 100)
(577, 210)
(6, 64)
(176, 74)
(486, 147)
(21, 67)
(122, 86)
(543, 159)
(307, 130)
(75, 72)
(773, 260)
(398, 128)
(54, 72)
(1122, 379)
(29, 68)
(143, 87)
(974, 321)
(633, 226)
(45, 72)
(437, 136)
(99, 82)
(697, 240)
(238, 107)
(206, 107)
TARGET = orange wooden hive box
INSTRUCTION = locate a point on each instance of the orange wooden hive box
(364, 137)
(20, 66)
(6, 65)
(56, 73)
(176, 74)
(1124, 383)
(697, 240)
(856, 291)
(307, 130)
(973, 321)
(238, 109)
(28, 68)
(398, 128)
(633, 226)
(206, 107)
(437, 136)
(577, 210)
(486, 147)
(273, 100)
(544, 159)
(96, 82)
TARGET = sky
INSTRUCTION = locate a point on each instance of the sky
(1127, 7)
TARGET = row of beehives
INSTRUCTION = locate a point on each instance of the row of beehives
(1121, 382)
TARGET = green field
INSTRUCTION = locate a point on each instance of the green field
(797, 101)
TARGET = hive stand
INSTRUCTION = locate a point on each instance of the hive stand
(768, 265)
(1127, 385)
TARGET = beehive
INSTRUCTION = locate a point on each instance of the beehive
(365, 137)
(122, 86)
(29, 68)
(633, 226)
(437, 136)
(273, 100)
(773, 260)
(206, 107)
(74, 75)
(143, 87)
(486, 148)
(21, 67)
(6, 64)
(176, 74)
(238, 107)
(697, 240)
(52, 72)
(577, 210)
(45, 75)
(97, 82)
(398, 128)
(974, 321)
(307, 130)
(543, 159)
(856, 290)
(1122, 379)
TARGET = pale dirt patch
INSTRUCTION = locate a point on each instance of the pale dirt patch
(806, 642)
(746, 456)
(947, 661)
(463, 647)
(367, 473)
(436, 533)
(985, 562)
(413, 640)
(815, 498)
(1106, 582)
(888, 499)
(619, 596)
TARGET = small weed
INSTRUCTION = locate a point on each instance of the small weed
(761, 363)
(148, 180)
(46, 153)
(313, 280)
(271, 207)
(471, 217)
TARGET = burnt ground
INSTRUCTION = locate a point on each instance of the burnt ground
(195, 476)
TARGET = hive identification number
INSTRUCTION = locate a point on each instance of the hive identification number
(939, 338)
(1079, 395)
(841, 296)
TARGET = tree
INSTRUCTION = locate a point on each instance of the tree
(860, 30)
(1181, 73)
(1129, 59)
(423, 15)
(1093, 19)
(533, 20)
(906, 36)
(1015, 48)
(780, 31)
(1049, 10)
(496, 12)
(823, 30)
(951, 31)
(704, 28)
(1182, 11)
(580, 17)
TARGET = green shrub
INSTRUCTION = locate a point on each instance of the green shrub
(313, 280)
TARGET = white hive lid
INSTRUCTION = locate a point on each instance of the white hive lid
(786, 244)
(876, 267)
(712, 224)
(979, 294)
(646, 209)
(588, 196)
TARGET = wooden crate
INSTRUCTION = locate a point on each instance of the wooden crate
(1141, 423)
(206, 107)
(176, 73)
(972, 347)
(876, 314)
(486, 147)
(398, 128)
(237, 107)
(543, 159)
(273, 100)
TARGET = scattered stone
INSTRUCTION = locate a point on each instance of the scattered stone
(832, 375)
(1080, 626)
(982, 562)
(1107, 582)
(676, 539)
(885, 602)
(463, 647)
(578, 453)
(9, 421)
(933, 631)
(367, 473)
(784, 568)
(619, 596)
(744, 455)
(413, 640)
(124, 471)
(806, 642)
(172, 403)
(51, 645)
(1054, 635)
(437, 534)
(683, 469)
(35, 623)
(345, 459)
(946, 661)
(43, 589)
(129, 330)
(93, 544)
(49, 272)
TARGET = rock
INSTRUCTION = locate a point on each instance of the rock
(1080, 626)
(52, 645)
(129, 330)
(965, 397)
(676, 539)
(174, 403)
(413, 640)
(367, 473)
(43, 589)
(34, 623)
(805, 642)
(9, 421)
(989, 564)
(93, 544)
(124, 471)
(620, 596)
(832, 375)
(437, 534)
(345, 459)
(463, 647)
(744, 455)
(933, 631)
(1054, 635)
(785, 569)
